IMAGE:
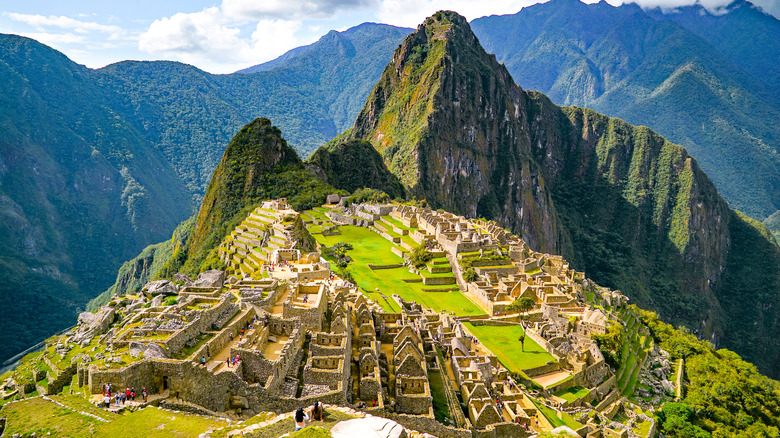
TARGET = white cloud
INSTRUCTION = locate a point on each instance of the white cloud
(410, 13)
(215, 42)
(289, 10)
(41, 23)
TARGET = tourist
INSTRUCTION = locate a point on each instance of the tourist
(316, 412)
(143, 391)
(300, 419)
(228, 362)
(107, 400)
(203, 360)
(116, 398)
(132, 394)
(231, 336)
(127, 394)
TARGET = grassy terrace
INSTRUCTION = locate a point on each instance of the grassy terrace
(572, 394)
(370, 247)
(552, 416)
(396, 223)
(502, 341)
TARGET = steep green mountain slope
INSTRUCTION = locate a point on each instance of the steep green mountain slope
(257, 165)
(630, 208)
(703, 88)
(80, 191)
(354, 164)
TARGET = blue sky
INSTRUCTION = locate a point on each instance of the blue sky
(222, 36)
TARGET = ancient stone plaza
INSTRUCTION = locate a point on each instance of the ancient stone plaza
(446, 351)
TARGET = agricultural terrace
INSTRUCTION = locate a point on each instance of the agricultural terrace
(372, 248)
(502, 341)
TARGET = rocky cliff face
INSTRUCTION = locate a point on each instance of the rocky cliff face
(630, 208)
(449, 121)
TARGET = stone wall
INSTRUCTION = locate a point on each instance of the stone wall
(56, 384)
(438, 281)
(221, 339)
(317, 274)
(542, 369)
(176, 342)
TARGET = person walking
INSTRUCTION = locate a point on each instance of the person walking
(145, 394)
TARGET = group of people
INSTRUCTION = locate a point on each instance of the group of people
(363, 405)
(232, 361)
(120, 397)
(315, 414)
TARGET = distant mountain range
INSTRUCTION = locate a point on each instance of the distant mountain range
(708, 82)
(96, 164)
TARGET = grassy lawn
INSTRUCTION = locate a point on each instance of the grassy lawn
(395, 223)
(573, 393)
(153, 422)
(370, 247)
(502, 341)
(41, 417)
(552, 417)
(643, 428)
(316, 214)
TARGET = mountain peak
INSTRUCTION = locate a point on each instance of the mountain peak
(443, 51)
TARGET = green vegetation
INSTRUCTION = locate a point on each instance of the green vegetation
(521, 304)
(676, 71)
(354, 165)
(611, 344)
(573, 393)
(420, 256)
(374, 249)
(441, 409)
(503, 342)
(552, 416)
(39, 417)
(725, 395)
(257, 165)
(152, 422)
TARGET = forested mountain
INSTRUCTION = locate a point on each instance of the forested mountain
(97, 164)
(81, 190)
(707, 82)
(628, 207)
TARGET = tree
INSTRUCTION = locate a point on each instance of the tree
(470, 275)
(523, 304)
(420, 256)
(522, 342)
